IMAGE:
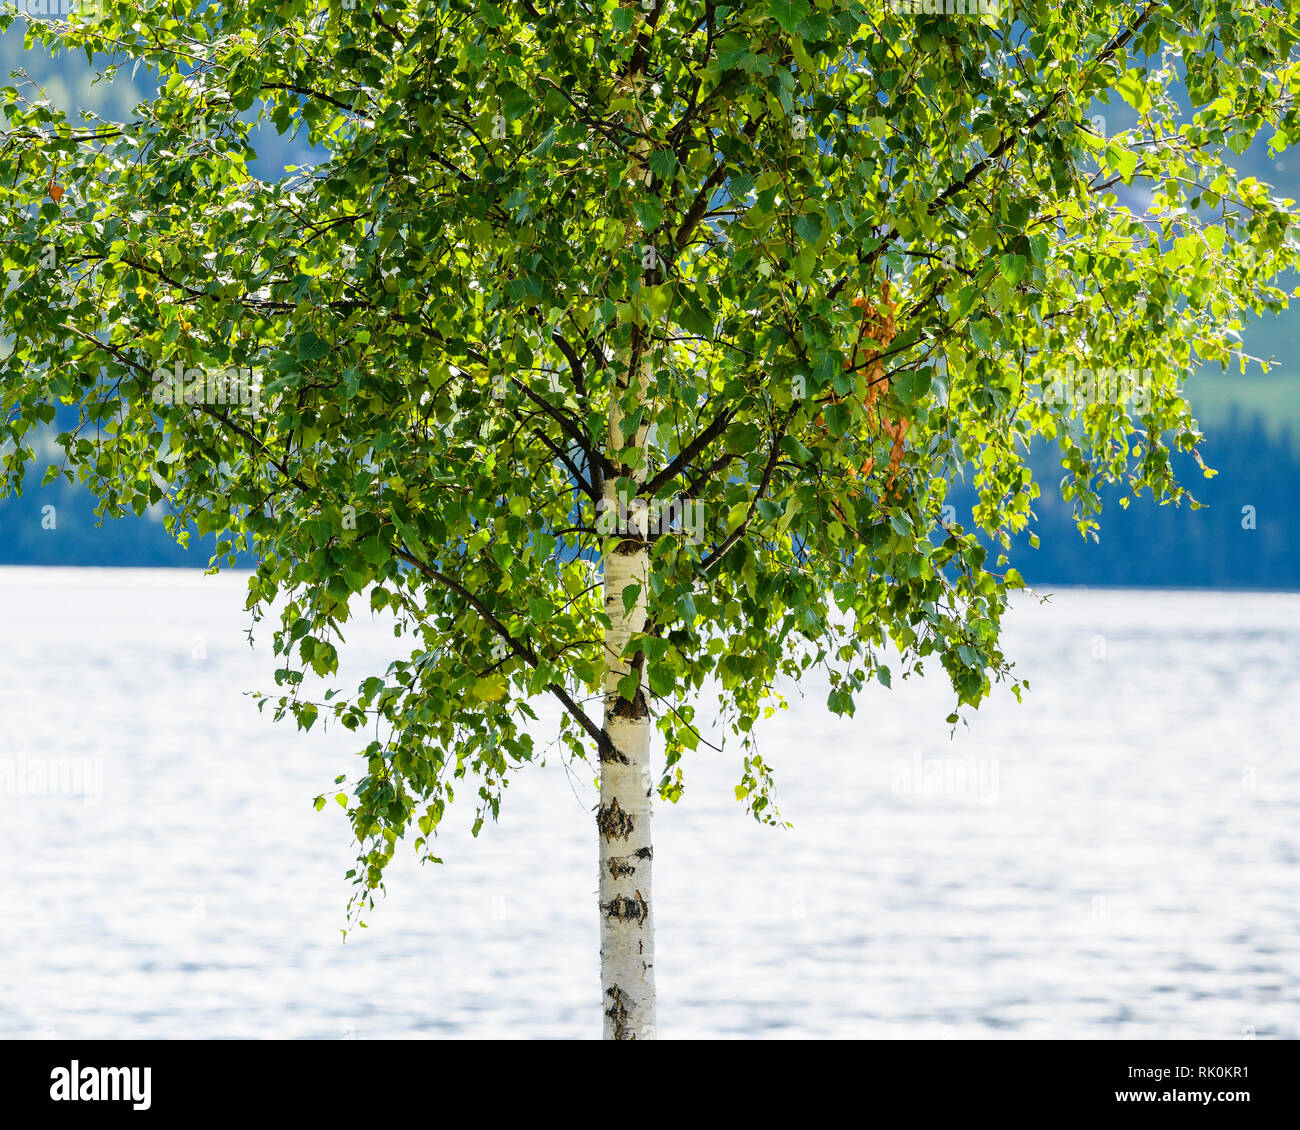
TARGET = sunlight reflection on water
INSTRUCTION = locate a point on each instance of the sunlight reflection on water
(1114, 858)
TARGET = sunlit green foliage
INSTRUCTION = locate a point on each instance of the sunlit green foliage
(438, 309)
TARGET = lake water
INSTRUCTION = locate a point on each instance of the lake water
(1117, 857)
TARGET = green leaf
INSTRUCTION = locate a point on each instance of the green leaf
(788, 13)
(657, 299)
(692, 315)
(837, 418)
(808, 227)
(1013, 268)
(910, 386)
(490, 688)
(1124, 161)
(663, 163)
(311, 348)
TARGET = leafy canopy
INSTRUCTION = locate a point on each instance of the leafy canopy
(867, 245)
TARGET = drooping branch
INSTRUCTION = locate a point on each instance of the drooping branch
(517, 646)
(575, 362)
(563, 456)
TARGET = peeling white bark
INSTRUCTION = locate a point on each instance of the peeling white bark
(623, 820)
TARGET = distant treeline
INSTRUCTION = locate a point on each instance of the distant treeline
(1248, 535)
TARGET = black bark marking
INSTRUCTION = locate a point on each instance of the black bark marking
(619, 866)
(633, 709)
(608, 752)
(613, 822)
(617, 1012)
(626, 909)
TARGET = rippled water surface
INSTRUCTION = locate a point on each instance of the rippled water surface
(1116, 857)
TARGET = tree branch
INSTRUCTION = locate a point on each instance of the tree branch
(690, 451)
(518, 647)
(773, 458)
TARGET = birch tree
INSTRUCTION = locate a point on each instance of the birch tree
(625, 353)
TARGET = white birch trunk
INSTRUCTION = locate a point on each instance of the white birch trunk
(627, 952)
